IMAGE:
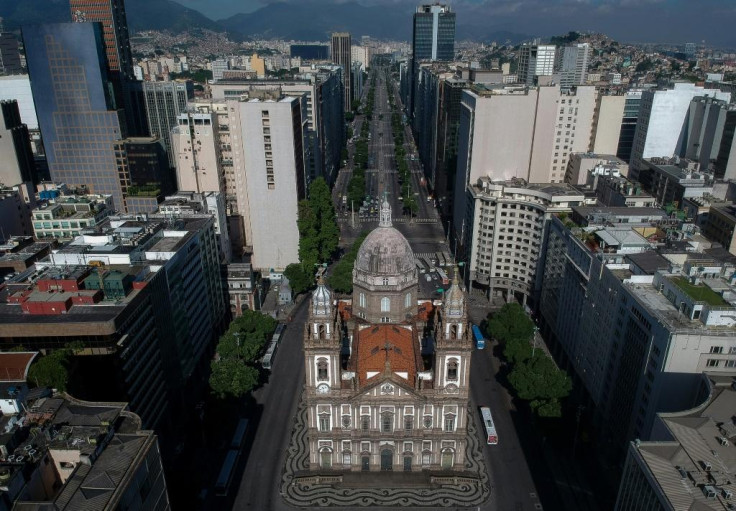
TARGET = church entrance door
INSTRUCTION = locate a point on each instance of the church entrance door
(387, 459)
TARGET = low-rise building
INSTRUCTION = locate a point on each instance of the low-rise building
(20, 253)
(66, 216)
(720, 225)
(242, 288)
(584, 165)
(16, 203)
(670, 180)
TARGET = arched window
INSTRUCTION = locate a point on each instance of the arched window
(385, 304)
(407, 300)
(453, 331)
(361, 299)
(322, 369)
(452, 370)
(320, 331)
(325, 458)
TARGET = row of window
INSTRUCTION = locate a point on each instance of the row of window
(386, 424)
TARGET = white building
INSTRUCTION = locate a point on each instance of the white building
(574, 65)
(196, 152)
(273, 183)
(361, 54)
(535, 60)
(662, 116)
(18, 87)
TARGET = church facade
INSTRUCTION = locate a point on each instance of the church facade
(387, 375)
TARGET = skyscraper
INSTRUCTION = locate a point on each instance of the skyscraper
(433, 37)
(111, 13)
(574, 65)
(342, 56)
(77, 113)
(15, 147)
(165, 101)
(9, 54)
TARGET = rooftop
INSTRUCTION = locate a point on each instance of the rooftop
(700, 292)
(387, 349)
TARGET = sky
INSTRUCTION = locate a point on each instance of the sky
(675, 21)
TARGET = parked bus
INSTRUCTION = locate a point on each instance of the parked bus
(239, 436)
(491, 435)
(222, 487)
(267, 360)
(480, 341)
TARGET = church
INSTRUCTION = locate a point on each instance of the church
(387, 374)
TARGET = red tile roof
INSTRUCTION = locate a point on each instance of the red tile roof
(14, 365)
(377, 344)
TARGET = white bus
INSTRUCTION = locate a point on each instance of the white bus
(491, 435)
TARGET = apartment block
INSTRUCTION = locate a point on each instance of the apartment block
(65, 217)
(503, 233)
(194, 142)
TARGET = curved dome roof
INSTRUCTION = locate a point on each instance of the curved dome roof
(385, 251)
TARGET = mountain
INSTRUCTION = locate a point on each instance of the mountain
(142, 14)
(287, 21)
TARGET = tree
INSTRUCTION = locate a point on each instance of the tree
(511, 322)
(308, 237)
(301, 277)
(517, 350)
(52, 370)
(341, 279)
(539, 381)
(231, 377)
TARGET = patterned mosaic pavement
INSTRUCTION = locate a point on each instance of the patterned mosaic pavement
(471, 488)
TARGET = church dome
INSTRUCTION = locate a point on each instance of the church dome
(385, 250)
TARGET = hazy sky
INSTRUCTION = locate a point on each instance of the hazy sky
(626, 20)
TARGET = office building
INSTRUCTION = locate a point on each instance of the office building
(573, 68)
(83, 455)
(659, 318)
(144, 298)
(18, 253)
(309, 51)
(448, 129)
(609, 120)
(720, 225)
(111, 14)
(219, 67)
(725, 164)
(536, 60)
(362, 55)
(543, 124)
(76, 108)
(583, 166)
(194, 143)
(629, 121)
(703, 131)
(66, 216)
(662, 117)
(503, 231)
(383, 405)
(17, 165)
(688, 461)
(357, 75)
(671, 180)
(342, 56)
(272, 133)
(9, 54)
(16, 203)
(433, 33)
(165, 101)
(143, 170)
(18, 88)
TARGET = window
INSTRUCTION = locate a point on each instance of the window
(324, 422)
(346, 458)
(452, 370)
(365, 422)
(716, 349)
(361, 299)
(713, 362)
(322, 369)
(408, 423)
(387, 423)
(730, 363)
(449, 423)
(385, 304)
(427, 421)
(407, 300)
(385, 281)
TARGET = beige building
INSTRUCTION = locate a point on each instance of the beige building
(584, 165)
(608, 120)
(720, 225)
(258, 65)
(197, 154)
(396, 400)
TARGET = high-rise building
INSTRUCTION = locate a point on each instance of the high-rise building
(310, 51)
(433, 38)
(165, 101)
(342, 56)
(662, 117)
(543, 124)
(725, 164)
(111, 14)
(9, 54)
(629, 119)
(15, 147)
(574, 65)
(608, 121)
(536, 60)
(195, 145)
(433, 34)
(77, 111)
(18, 88)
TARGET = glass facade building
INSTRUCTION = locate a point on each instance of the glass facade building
(434, 33)
(628, 125)
(75, 104)
(165, 101)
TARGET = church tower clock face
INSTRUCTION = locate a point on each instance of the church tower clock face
(323, 388)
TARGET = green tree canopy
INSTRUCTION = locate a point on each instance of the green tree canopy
(231, 377)
(511, 322)
(301, 277)
(52, 370)
(539, 381)
(341, 279)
